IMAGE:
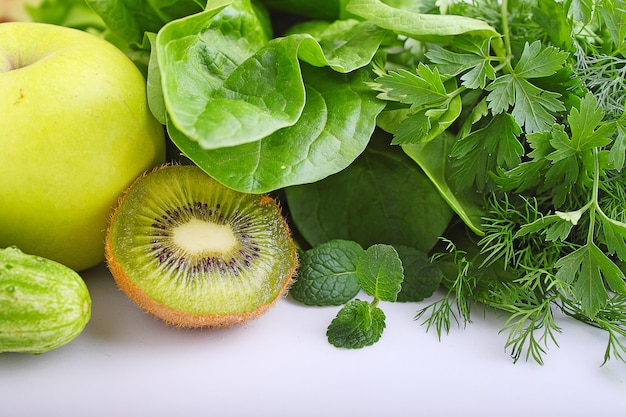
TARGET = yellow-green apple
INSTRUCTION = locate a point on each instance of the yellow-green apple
(75, 131)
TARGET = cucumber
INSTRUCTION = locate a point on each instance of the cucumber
(43, 304)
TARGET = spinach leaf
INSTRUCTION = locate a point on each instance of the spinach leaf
(260, 114)
(421, 26)
(334, 128)
(382, 197)
(131, 19)
(432, 157)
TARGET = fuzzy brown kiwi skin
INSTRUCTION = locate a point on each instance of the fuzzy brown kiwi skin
(178, 318)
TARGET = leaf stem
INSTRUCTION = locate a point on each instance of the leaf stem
(506, 33)
(594, 197)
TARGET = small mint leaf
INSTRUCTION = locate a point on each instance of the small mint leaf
(380, 272)
(357, 324)
(327, 274)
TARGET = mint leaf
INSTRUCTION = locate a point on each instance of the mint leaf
(421, 276)
(357, 324)
(380, 272)
(327, 274)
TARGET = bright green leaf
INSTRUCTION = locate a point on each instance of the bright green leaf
(380, 272)
(423, 88)
(334, 128)
(617, 153)
(534, 108)
(584, 269)
(226, 82)
(427, 27)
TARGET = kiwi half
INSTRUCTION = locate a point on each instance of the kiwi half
(195, 253)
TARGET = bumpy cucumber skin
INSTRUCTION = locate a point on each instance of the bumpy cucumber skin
(43, 304)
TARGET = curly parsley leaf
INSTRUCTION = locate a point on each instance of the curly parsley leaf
(358, 324)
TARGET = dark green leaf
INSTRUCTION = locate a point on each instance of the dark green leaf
(327, 274)
(484, 150)
(432, 157)
(421, 276)
(383, 197)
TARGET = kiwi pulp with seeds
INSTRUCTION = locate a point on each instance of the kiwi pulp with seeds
(195, 253)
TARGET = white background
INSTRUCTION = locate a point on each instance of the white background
(129, 364)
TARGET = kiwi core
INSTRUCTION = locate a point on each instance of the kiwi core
(199, 236)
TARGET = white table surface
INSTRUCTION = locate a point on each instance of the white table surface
(129, 364)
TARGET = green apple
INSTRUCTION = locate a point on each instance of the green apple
(75, 132)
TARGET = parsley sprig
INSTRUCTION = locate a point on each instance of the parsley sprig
(536, 128)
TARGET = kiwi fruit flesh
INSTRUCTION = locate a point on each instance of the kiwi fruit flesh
(195, 253)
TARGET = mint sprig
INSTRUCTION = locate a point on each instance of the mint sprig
(333, 273)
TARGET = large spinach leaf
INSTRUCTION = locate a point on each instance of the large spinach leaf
(261, 113)
(382, 197)
(333, 129)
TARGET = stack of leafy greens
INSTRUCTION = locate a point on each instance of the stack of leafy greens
(477, 145)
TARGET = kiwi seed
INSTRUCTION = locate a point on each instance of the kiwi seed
(195, 253)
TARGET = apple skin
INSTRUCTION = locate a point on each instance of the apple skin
(75, 132)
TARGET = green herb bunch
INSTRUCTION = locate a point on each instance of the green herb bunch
(528, 131)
